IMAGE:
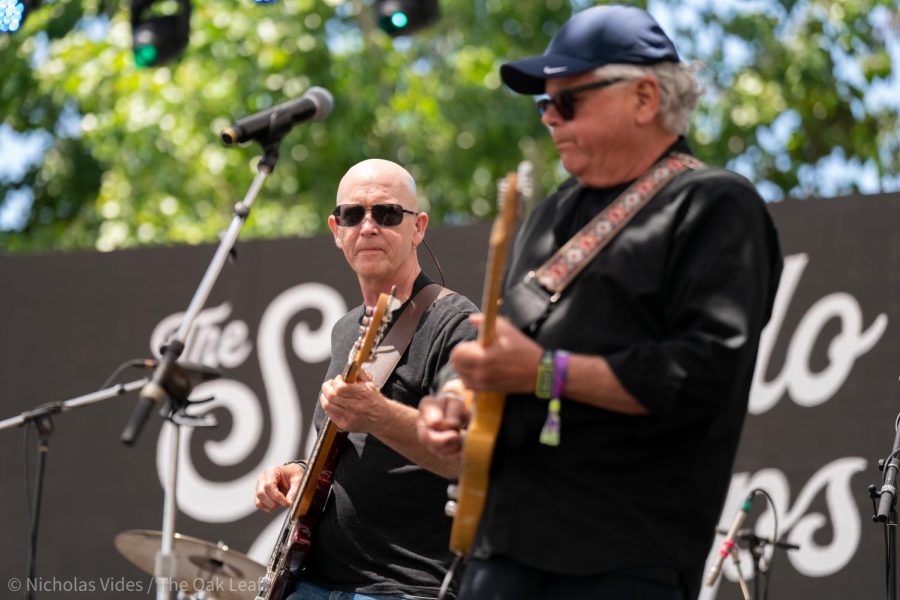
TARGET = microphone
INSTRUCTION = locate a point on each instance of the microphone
(184, 375)
(314, 105)
(170, 378)
(728, 544)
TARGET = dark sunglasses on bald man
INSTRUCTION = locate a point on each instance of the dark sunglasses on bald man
(564, 100)
(386, 215)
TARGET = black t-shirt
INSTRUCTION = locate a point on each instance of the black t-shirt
(675, 304)
(384, 530)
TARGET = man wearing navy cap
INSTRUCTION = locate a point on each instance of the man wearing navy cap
(627, 373)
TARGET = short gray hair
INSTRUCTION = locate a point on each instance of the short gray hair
(679, 90)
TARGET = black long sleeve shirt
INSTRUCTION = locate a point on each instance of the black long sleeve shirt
(675, 304)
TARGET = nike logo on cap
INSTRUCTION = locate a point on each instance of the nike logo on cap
(554, 70)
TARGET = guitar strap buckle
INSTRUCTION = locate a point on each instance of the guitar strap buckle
(528, 304)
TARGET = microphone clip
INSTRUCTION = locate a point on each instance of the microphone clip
(169, 387)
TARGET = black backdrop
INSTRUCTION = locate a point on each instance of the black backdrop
(822, 410)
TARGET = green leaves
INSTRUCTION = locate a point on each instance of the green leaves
(815, 61)
(136, 157)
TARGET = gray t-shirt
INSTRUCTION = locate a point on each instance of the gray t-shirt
(384, 530)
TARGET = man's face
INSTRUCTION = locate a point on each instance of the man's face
(376, 251)
(595, 141)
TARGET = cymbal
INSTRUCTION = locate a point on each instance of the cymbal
(200, 566)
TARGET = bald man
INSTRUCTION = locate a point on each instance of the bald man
(383, 534)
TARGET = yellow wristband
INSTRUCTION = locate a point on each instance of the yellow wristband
(543, 387)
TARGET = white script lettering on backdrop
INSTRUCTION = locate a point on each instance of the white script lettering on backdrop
(216, 341)
(808, 389)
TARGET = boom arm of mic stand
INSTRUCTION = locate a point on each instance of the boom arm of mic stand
(154, 392)
(41, 417)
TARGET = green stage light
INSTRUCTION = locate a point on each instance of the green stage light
(399, 20)
(159, 38)
(145, 56)
(404, 17)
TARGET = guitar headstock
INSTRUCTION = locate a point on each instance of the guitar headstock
(525, 181)
(512, 191)
(372, 329)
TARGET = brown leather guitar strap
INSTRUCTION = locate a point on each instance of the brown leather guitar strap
(388, 353)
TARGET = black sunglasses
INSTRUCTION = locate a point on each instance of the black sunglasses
(564, 100)
(386, 215)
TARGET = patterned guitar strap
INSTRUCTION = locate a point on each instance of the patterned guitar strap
(563, 267)
(558, 272)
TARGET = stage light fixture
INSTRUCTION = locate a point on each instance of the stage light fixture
(405, 17)
(13, 13)
(159, 30)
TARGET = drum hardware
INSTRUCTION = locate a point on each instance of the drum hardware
(202, 570)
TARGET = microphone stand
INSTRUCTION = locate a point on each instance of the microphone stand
(756, 545)
(42, 418)
(156, 390)
(748, 540)
(886, 510)
(745, 592)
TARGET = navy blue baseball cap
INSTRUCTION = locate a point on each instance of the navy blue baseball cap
(602, 35)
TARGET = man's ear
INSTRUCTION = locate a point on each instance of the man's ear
(421, 226)
(333, 226)
(647, 100)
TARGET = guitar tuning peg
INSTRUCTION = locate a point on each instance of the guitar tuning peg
(450, 508)
(525, 178)
(453, 491)
(502, 186)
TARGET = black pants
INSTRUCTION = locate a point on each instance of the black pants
(500, 578)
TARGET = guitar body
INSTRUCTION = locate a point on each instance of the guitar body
(487, 407)
(296, 535)
(476, 465)
(295, 540)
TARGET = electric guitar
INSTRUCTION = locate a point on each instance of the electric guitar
(467, 498)
(295, 538)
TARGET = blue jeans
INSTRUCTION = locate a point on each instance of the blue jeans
(308, 591)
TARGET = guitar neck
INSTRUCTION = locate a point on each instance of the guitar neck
(321, 459)
(490, 304)
(497, 251)
(295, 537)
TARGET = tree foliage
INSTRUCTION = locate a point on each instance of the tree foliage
(134, 156)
